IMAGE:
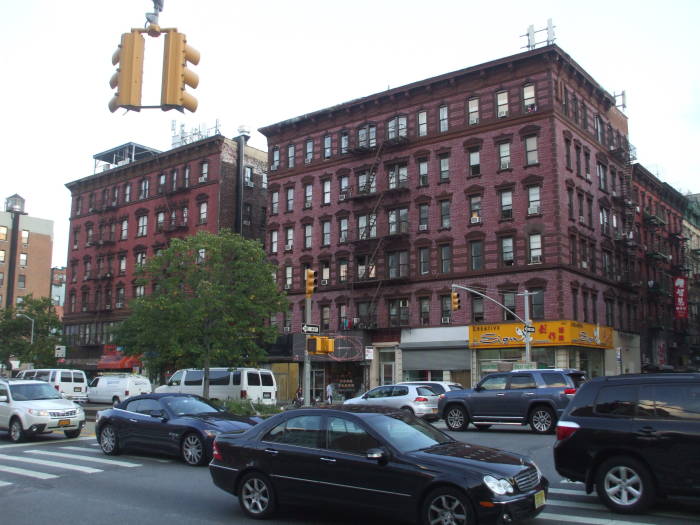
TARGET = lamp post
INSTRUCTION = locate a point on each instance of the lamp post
(31, 338)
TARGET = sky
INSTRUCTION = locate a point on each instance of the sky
(265, 61)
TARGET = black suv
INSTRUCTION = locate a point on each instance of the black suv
(633, 437)
(534, 397)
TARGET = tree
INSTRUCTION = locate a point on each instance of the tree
(211, 296)
(16, 332)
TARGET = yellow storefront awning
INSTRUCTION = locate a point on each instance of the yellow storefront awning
(547, 333)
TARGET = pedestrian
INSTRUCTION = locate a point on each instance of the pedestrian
(329, 393)
(299, 397)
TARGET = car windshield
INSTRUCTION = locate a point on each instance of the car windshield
(407, 433)
(32, 392)
(188, 406)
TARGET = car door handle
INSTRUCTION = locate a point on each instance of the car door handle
(134, 420)
(328, 460)
(272, 451)
(529, 394)
(503, 394)
(646, 431)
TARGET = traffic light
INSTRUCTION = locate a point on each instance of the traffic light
(313, 344)
(455, 302)
(316, 344)
(311, 282)
(129, 75)
(327, 345)
(176, 76)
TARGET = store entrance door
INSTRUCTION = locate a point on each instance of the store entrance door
(387, 373)
(318, 385)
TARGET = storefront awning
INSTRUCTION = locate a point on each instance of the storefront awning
(115, 363)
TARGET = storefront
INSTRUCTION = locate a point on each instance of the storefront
(435, 354)
(554, 344)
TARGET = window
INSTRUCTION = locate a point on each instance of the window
(143, 189)
(396, 127)
(533, 200)
(290, 199)
(366, 183)
(398, 176)
(275, 158)
(398, 314)
(186, 180)
(602, 172)
(204, 171)
(422, 123)
(508, 300)
(122, 264)
(366, 226)
(309, 151)
(291, 152)
(342, 270)
(422, 172)
(398, 221)
(445, 251)
(327, 147)
(248, 176)
(247, 214)
(365, 267)
(506, 199)
(326, 185)
(142, 226)
(2, 256)
(325, 317)
(476, 255)
(308, 195)
(289, 238)
(397, 263)
(444, 122)
(367, 136)
(446, 308)
(274, 202)
(474, 209)
(474, 162)
(185, 215)
(21, 281)
(343, 184)
(617, 401)
(473, 110)
(502, 104)
(445, 214)
(343, 230)
(161, 183)
(423, 217)
(308, 235)
(504, 156)
(140, 259)
(531, 156)
(537, 304)
(424, 310)
(535, 246)
(477, 308)
(2, 278)
(202, 212)
(344, 142)
(587, 164)
(444, 167)
(529, 104)
(22, 259)
(3, 233)
(578, 160)
(326, 232)
(25, 236)
(288, 277)
(507, 255)
(424, 261)
(301, 431)
(139, 290)
(273, 241)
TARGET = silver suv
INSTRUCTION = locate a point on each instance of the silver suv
(418, 399)
(29, 407)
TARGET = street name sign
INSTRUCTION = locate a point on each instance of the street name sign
(310, 328)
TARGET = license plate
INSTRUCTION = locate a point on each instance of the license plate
(77, 389)
(267, 395)
(539, 499)
(64, 422)
(433, 410)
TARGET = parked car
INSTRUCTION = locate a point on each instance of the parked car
(176, 424)
(377, 459)
(417, 399)
(29, 407)
(521, 397)
(439, 387)
(634, 438)
(117, 387)
(71, 383)
(256, 384)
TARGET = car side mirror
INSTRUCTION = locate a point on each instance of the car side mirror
(365, 396)
(376, 453)
(3, 399)
(478, 388)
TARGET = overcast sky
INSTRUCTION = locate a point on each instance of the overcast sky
(269, 60)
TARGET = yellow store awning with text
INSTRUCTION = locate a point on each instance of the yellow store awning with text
(547, 333)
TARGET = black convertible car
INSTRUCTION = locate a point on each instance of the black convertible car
(380, 460)
(176, 424)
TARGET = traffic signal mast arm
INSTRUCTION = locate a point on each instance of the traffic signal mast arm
(492, 300)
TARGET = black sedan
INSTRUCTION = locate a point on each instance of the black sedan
(177, 424)
(379, 460)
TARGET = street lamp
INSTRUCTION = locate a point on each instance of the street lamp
(31, 338)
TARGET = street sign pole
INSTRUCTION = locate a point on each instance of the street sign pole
(528, 337)
(307, 357)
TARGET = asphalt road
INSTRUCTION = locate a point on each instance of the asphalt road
(61, 481)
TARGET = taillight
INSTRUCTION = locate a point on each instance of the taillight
(126, 393)
(566, 429)
(421, 399)
(244, 394)
(570, 391)
(217, 452)
(57, 387)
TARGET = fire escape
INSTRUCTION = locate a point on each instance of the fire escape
(626, 238)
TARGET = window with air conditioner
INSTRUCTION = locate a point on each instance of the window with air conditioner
(475, 219)
(533, 210)
(446, 320)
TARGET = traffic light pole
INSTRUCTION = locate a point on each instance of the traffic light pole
(307, 357)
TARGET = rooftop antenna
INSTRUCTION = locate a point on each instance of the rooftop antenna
(531, 43)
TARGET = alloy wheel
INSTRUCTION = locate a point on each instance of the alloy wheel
(623, 486)
(447, 509)
(108, 439)
(192, 449)
(455, 418)
(542, 420)
(16, 431)
(255, 495)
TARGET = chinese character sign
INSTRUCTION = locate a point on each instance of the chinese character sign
(680, 297)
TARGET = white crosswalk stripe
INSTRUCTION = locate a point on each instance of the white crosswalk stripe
(84, 458)
(585, 520)
(94, 451)
(26, 472)
(48, 463)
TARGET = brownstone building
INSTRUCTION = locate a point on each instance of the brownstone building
(503, 177)
(135, 202)
(26, 245)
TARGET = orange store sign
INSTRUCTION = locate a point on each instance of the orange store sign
(547, 333)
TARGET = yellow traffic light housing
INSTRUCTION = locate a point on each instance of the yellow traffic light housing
(311, 282)
(129, 75)
(176, 76)
(327, 345)
(456, 304)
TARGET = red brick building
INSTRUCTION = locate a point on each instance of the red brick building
(135, 202)
(502, 177)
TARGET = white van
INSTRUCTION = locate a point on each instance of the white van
(114, 388)
(72, 384)
(257, 384)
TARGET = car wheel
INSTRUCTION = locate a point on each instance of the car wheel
(256, 496)
(109, 442)
(447, 505)
(193, 450)
(482, 427)
(456, 418)
(543, 420)
(72, 434)
(17, 433)
(625, 485)
(408, 410)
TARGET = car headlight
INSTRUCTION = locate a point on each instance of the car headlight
(212, 433)
(35, 412)
(498, 486)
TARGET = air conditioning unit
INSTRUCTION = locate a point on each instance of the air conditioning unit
(422, 227)
(614, 193)
(307, 205)
(308, 160)
(287, 286)
(202, 179)
(475, 220)
(119, 304)
(108, 307)
(288, 247)
(502, 113)
(246, 222)
(536, 259)
(508, 262)
(505, 164)
(533, 210)
(355, 320)
(588, 177)
(324, 282)
(274, 167)
(529, 108)
(250, 184)
(342, 196)
(473, 121)
(446, 320)
(581, 219)
(584, 265)
(287, 329)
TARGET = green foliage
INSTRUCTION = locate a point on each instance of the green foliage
(241, 407)
(15, 333)
(211, 296)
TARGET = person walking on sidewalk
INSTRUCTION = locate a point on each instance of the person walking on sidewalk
(329, 393)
